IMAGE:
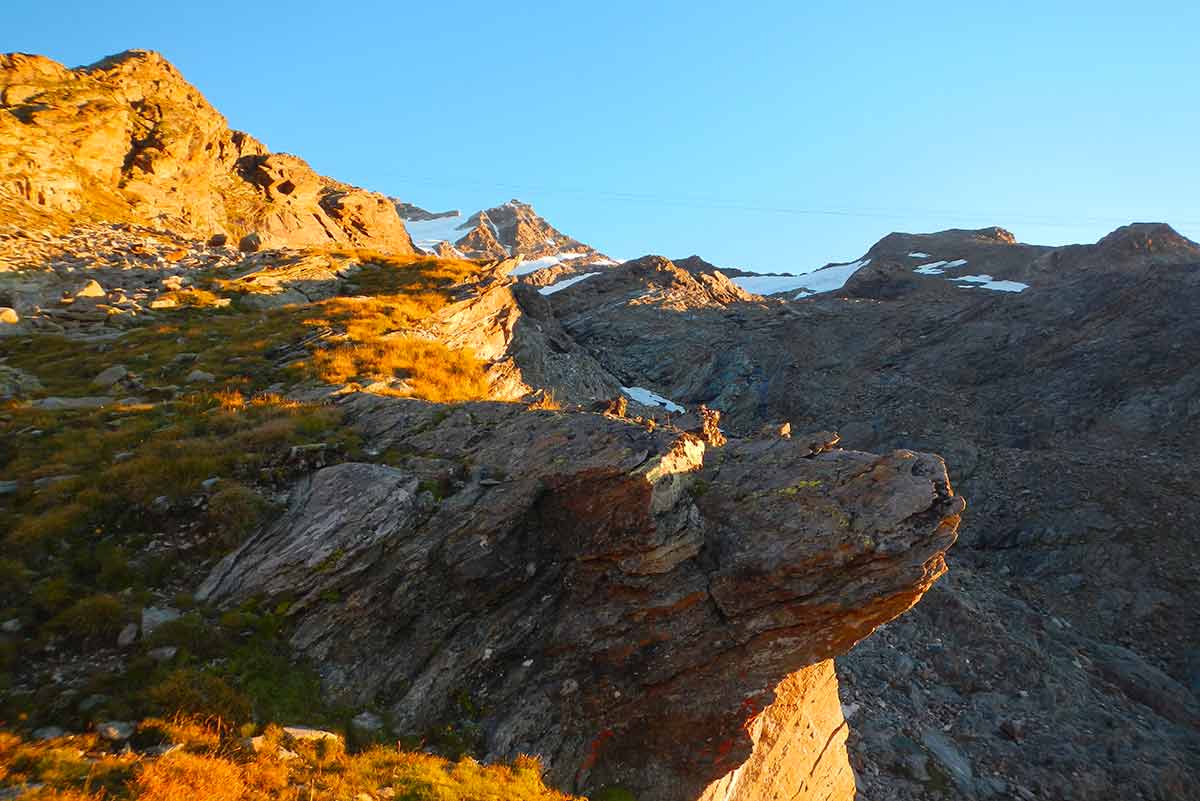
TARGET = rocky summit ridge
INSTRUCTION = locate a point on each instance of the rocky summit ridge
(278, 450)
(127, 139)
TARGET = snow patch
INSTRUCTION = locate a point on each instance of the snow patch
(826, 279)
(545, 261)
(550, 290)
(939, 267)
(916, 254)
(648, 398)
(987, 282)
(427, 234)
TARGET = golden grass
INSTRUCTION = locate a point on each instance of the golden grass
(429, 369)
(181, 776)
(213, 765)
(195, 297)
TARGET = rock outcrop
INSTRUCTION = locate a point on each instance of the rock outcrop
(128, 139)
(622, 602)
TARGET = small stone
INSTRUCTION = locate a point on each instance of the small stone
(123, 456)
(9, 487)
(128, 635)
(250, 243)
(161, 504)
(11, 626)
(309, 734)
(199, 377)
(115, 730)
(92, 701)
(569, 687)
(217, 240)
(164, 654)
(164, 303)
(155, 616)
(48, 733)
(110, 376)
(9, 316)
(209, 483)
(1013, 729)
(91, 289)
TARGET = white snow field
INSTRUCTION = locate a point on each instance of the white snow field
(826, 279)
(645, 396)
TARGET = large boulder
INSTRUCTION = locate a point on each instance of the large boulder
(623, 602)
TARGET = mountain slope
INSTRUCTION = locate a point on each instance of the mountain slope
(1072, 588)
(128, 139)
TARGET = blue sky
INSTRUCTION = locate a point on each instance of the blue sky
(770, 135)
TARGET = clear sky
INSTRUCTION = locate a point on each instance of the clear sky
(774, 135)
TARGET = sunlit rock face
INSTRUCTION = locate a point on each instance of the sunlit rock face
(799, 746)
(129, 139)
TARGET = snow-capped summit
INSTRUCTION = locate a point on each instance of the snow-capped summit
(511, 229)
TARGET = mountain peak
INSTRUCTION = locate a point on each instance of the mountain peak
(128, 139)
(1154, 239)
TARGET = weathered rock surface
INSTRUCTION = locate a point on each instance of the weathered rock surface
(127, 138)
(622, 602)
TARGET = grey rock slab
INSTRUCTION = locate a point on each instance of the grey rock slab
(109, 376)
(128, 635)
(199, 377)
(56, 404)
(163, 654)
(950, 758)
(155, 616)
(48, 733)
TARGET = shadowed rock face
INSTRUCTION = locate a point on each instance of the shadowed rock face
(127, 138)
(622, 602)
(1073, 573)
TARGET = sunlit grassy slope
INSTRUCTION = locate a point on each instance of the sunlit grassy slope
(115, 512)
(202, 764)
